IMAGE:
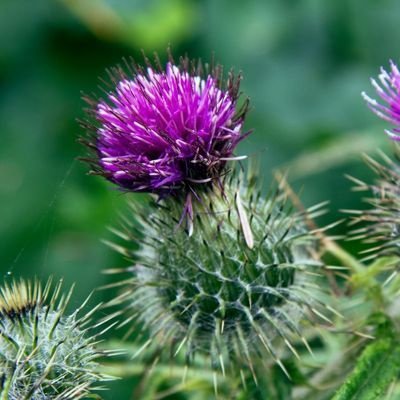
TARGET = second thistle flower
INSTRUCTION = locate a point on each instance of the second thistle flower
(388, 88)
(166, 131)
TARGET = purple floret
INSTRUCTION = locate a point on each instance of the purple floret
(167, 131)
(388, 88)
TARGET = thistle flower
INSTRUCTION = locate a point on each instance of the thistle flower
(388, 88)
(44, 354)
(166, 132)
(212, 293)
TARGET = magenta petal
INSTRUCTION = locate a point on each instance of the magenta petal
(158, 130)
(388, 88)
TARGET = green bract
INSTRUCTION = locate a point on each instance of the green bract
(381, 221)
(240, 287)
(44, 354)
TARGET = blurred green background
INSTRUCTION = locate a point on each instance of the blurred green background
(305, 63)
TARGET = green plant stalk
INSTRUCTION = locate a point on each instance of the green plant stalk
(124, 370)
(376, 368)
(382, 263)
(5, 390)
(355, 266)
(329, 245)
(187, 380)
(362, 276)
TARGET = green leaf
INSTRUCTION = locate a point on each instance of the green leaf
(376, 368)
(150, 25)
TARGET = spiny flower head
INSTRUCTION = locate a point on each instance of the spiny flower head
(239, 288)
(388, 88)
(382, 220)
(166, 131)
(44, 353)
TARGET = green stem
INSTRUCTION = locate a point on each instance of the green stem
(342, 255)
(124, 370)
(4, 391)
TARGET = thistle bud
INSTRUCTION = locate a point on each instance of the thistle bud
(44, 353)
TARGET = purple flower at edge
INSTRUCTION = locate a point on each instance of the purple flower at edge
(166, 132)
(388, 88)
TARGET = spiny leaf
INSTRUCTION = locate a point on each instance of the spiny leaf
(376, 368)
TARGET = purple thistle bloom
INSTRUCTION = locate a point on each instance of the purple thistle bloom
(388, 89)
(166, 132)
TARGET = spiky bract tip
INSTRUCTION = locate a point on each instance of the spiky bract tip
(381, 221)
(45, 354)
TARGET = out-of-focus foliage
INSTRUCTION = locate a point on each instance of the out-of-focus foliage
(141, 24)
(305, 64)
